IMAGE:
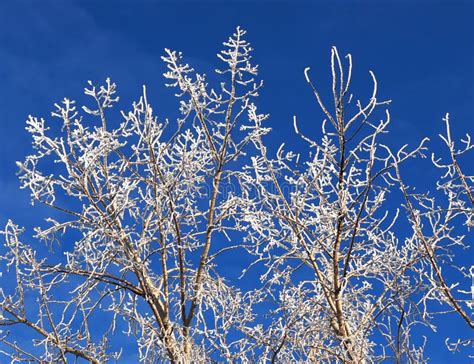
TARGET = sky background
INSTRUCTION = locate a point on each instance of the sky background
(421, 52)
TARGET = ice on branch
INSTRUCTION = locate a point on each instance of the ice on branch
(199, 240)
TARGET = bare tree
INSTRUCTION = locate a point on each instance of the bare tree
(347, 283)
(142, 211)
(138, 213)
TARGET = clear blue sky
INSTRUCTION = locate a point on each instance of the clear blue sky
(421, 51)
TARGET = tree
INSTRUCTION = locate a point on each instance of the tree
(331, 215)
(146, 213)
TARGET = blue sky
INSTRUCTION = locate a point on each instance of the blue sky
(421, 52)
